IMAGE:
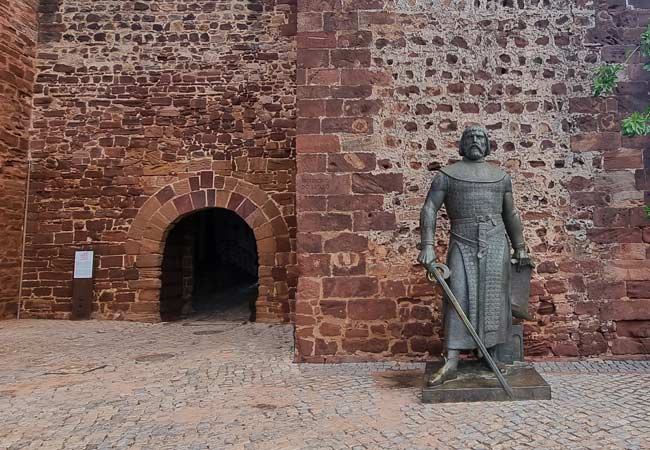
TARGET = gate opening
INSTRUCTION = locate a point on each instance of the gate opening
(210, 266)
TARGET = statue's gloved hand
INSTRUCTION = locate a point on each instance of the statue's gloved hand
(427, 256)
(523, 259)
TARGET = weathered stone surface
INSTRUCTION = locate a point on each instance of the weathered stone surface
(164, 108)
(423, 77)
(625, 346)
(372, 309)
(633, 328)
(134, 98)
(18, 23)
(349, 396)
(638, 289)
(626, 310)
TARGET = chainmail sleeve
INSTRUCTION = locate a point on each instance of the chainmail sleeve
(511, 218)
(434, 200)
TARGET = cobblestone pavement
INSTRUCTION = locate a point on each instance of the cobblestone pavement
(206, 384)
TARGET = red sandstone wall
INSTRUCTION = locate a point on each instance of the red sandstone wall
(609, 276)
(132, 97)
(385, 88)
(17, 52)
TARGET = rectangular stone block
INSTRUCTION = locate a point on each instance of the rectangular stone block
(350, 287)
(474, 384)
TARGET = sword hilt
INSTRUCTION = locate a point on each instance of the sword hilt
(442, 269)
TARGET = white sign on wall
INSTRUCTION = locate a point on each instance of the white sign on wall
(83, 264)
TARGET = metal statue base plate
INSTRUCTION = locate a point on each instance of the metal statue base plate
(476, 383)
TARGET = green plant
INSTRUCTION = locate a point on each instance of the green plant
(606, 79)
(638, 124)
(605, 82)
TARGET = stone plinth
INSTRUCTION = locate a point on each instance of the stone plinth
(476, 383)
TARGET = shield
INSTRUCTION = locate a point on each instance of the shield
(520, 290)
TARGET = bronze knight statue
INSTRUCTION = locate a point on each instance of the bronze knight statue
(478, 198)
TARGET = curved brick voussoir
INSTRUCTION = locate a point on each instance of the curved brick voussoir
(170, 204)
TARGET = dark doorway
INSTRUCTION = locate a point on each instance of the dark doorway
(210, 266)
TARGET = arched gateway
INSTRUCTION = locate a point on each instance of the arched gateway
(148, 235)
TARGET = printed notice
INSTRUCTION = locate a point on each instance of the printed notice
(83, 264)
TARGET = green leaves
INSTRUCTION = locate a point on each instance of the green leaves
(638, 124)
(606, 79)
(645, 43)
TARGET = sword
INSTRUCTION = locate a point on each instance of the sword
(439, 273)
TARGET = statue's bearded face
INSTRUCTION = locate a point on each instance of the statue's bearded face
(474, 145)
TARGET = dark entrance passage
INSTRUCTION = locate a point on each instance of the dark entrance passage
(210, 266)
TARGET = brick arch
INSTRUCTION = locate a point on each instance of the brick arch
(158, 215)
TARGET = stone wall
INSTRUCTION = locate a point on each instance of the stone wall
(146, 111)
(385, 89)
(18, 22)
(609, 276)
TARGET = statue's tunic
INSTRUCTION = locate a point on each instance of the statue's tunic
(479, 252)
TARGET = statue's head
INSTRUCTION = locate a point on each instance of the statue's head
(475, 143)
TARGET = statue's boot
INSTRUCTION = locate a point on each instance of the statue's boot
(447, 372)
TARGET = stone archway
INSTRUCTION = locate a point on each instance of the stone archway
(146, 239)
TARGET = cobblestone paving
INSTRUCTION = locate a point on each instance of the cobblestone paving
(207, 384)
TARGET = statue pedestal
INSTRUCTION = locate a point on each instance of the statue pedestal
(476, 383)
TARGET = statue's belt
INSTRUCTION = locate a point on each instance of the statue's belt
(494, 218)
(481, 243)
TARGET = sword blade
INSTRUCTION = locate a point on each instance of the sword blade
(459, 310)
